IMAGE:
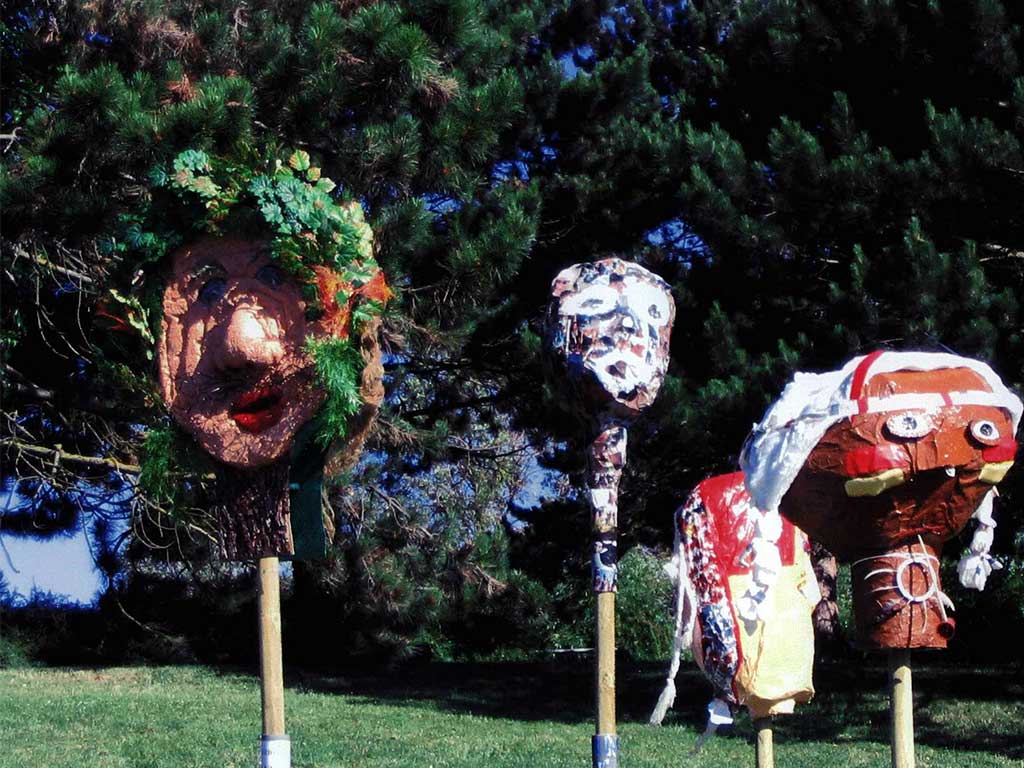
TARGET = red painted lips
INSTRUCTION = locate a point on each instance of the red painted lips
(258, 409)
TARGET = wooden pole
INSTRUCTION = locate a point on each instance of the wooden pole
(606, 459)
(765, 743)
(901, 708)
(275, 750)
(605, 746)
(606, 663)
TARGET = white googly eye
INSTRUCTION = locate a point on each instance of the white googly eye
(909, 425)
(985, 432)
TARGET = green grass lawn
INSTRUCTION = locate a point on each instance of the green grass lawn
(480, 716)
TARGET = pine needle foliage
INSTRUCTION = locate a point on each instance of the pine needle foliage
(815, 179)
(409, 107)
(338, 368)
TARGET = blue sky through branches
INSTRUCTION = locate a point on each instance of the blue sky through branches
(62, 565)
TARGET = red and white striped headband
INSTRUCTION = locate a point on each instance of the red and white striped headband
(860, 403)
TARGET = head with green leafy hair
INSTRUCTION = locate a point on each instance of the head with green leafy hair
(270, 293)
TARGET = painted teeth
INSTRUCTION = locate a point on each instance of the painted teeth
(875, 484)
(951, 471)
(994, 472)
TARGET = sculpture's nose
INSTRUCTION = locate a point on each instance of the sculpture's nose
(251, 339)
(998, 460)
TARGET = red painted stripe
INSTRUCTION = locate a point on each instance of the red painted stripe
(787, 543)
(862, 405)
(861, 374)
(947, 399)
(1005, 451)
(876, 458)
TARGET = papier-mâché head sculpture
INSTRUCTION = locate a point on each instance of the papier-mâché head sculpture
(607, 338)
(271, 303)
(275, 267)
(609, 326)
(766, 665)
(607, 335)
(882, 462)
(234, 362)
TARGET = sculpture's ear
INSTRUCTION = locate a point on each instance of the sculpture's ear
(169, 345)
(343, 453)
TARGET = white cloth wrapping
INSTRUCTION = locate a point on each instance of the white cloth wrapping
(678, 572)
(719, 713)
(766, 564)
(976, 564)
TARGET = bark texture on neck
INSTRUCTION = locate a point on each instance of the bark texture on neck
(253, 512)
(827, 626)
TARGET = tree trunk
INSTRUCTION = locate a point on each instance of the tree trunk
(252, 512)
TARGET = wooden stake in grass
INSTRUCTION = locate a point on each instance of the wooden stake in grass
(901, 708)
(765, 743)
(608, 331)
(275, 750)
(606, 460)
(605, 637)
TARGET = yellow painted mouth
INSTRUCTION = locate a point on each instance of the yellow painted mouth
(876, 484)
(994, 473)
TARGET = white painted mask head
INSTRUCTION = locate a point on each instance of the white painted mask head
(609, 324)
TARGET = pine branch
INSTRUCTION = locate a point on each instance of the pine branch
(58, 455)
(416, 533)
(83, 402)
(42, 261)
(26, 387)
(475, 574)
(486, 451)
(1001, 251)
(472, 402)
(10, 138)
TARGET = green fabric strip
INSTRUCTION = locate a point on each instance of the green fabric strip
(304, 491)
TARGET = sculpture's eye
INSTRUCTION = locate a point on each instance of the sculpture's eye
(909, 425)
(592, 300)
(985, 432)
(213, 290)
(270, 276)
(657, 309)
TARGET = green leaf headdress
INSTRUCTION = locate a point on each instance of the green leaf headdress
(321, 240)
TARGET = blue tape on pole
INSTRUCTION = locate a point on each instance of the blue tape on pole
(606, 750)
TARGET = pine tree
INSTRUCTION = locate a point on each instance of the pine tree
(815, 179)
(408, 107)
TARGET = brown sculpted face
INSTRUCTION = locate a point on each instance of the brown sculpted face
(879, 480)
(883, 462)
(886, 490)
(231, 361)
